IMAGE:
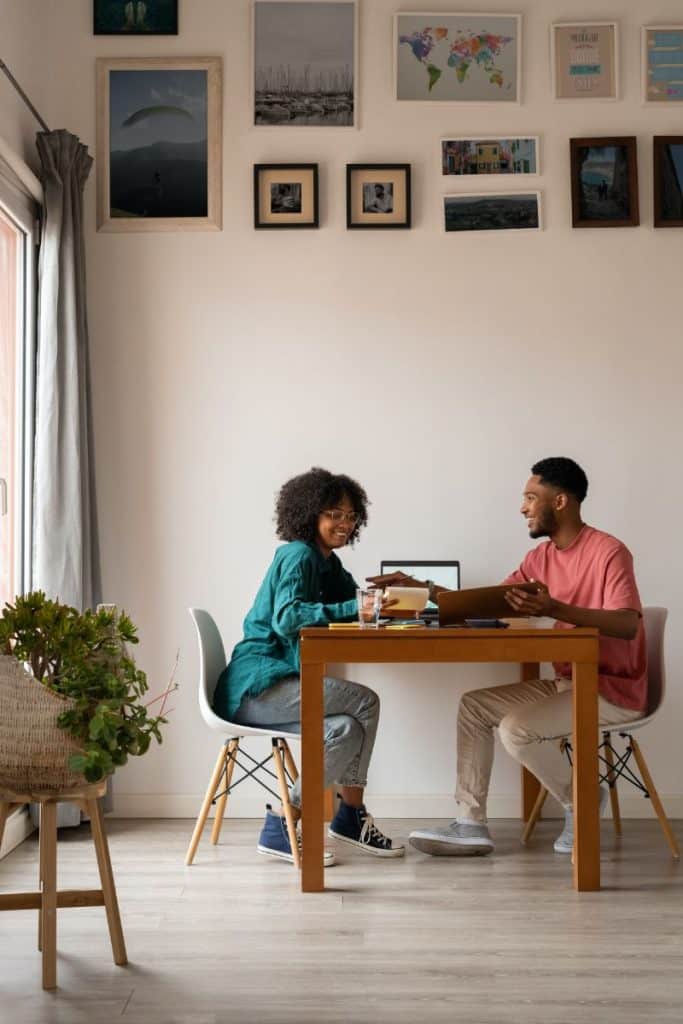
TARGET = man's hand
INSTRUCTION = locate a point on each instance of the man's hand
(525, 603)
(395, 579)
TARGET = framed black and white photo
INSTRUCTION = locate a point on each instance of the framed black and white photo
(286, 196)
(305, 63)
(135, 17)
(378, 196)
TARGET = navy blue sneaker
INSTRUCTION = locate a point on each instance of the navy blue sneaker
(274, 840)
(355, 826)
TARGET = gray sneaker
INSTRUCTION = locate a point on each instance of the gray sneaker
(459, 839)
(565, 841)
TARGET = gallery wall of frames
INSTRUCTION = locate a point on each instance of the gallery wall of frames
(159, 120)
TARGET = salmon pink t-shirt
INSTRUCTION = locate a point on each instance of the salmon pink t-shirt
(596, 571)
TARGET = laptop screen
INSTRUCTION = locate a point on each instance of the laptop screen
(444, 574)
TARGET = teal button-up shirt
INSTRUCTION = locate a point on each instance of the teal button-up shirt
(301, 588)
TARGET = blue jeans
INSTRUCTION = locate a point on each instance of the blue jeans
(349, 727)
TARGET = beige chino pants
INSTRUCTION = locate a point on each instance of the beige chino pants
(531, 718)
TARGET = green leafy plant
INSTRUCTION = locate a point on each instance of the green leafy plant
(82, 655)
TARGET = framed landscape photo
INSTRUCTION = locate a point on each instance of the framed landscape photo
(305, 63)
(465, 58)
(135, 17)
(486, 154)
(604, 174)
(378, 196)
(668, 180)
(662, 64)
(286, 196)
(490, 211)
(159, 144)
(585, 60)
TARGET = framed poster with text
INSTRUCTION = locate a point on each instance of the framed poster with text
(585, 61)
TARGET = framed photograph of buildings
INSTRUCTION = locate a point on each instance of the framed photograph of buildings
(378, 196)
(159, 144)
(585, 60)
(305, 63)
(491, 211)
(465, 58)
(286, 196)
(668, 180)
(135, 17)
(486, 154)
(663, 64)
(604, 174)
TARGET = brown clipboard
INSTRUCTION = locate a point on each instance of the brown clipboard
(479, 603)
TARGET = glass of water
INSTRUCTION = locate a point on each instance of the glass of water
(369, 606)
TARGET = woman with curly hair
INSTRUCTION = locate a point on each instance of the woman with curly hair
(306, 585)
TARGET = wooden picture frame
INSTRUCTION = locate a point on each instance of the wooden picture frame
(286, 196)
(667, 154)
(164, 169)
(584, 60)
(135, 17)
(662, 65)
(604, 182)
(378, 196)
(492, 211)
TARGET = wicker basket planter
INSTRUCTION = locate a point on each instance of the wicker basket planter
(34, 751)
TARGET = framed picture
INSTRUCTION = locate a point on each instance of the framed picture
(473, 58)
(604, 176)
(486, 154)
(135, 17)
(286, 196)
(490, 211)
(668, 180)
(662, 63)
(159, 144)
(305, 63)
(378, 195)
(585, 60)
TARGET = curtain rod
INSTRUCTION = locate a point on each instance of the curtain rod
(13, 81)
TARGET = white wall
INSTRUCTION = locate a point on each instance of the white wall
(434, 368)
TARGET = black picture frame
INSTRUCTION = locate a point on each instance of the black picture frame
(611, 202)
(378, 196)
(135, 18)
(286, 196)
(668, 181)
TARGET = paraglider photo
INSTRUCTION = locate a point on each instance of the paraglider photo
(157, 145)
(135, 17)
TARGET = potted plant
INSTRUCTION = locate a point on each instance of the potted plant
(70, 695)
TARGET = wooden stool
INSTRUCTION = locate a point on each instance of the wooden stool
(49, 898)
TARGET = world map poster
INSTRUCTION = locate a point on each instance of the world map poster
(463, 57)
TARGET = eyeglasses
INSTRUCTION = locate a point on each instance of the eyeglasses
(338, 515)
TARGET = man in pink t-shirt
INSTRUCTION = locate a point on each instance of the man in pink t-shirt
(585, 578)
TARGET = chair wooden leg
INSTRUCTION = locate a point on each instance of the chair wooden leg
(654, 797)
(111, 904)
(284, 797)
(535, 814)
(48, 857)
(206, 806)
(289, 761)
(612, 782)
(41, 873)
(231, 754)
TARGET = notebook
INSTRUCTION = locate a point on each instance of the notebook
(478, 603)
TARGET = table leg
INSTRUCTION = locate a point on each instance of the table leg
(531, 787)
(585, 778)
(312, 870)
(48, 856)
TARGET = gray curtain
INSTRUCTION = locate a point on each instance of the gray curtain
(65, 560)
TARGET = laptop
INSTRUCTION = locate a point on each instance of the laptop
(444, 574)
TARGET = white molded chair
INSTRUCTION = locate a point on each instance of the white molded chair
(212, 661)
(614, 765)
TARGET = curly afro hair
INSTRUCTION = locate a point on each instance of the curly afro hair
(302, 499)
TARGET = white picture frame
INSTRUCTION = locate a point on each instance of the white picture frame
(564, 67)
(459, 199)
(299, 106)
(492, 138)
(416, 77)
(649, 96)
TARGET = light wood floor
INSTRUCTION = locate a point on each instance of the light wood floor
(496, 940)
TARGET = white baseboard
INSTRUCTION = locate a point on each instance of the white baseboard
(17, 827)
(149, 805)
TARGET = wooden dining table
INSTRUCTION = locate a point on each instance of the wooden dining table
(527, 646)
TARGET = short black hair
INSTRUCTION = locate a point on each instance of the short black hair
(302, 499)
(563, 473)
